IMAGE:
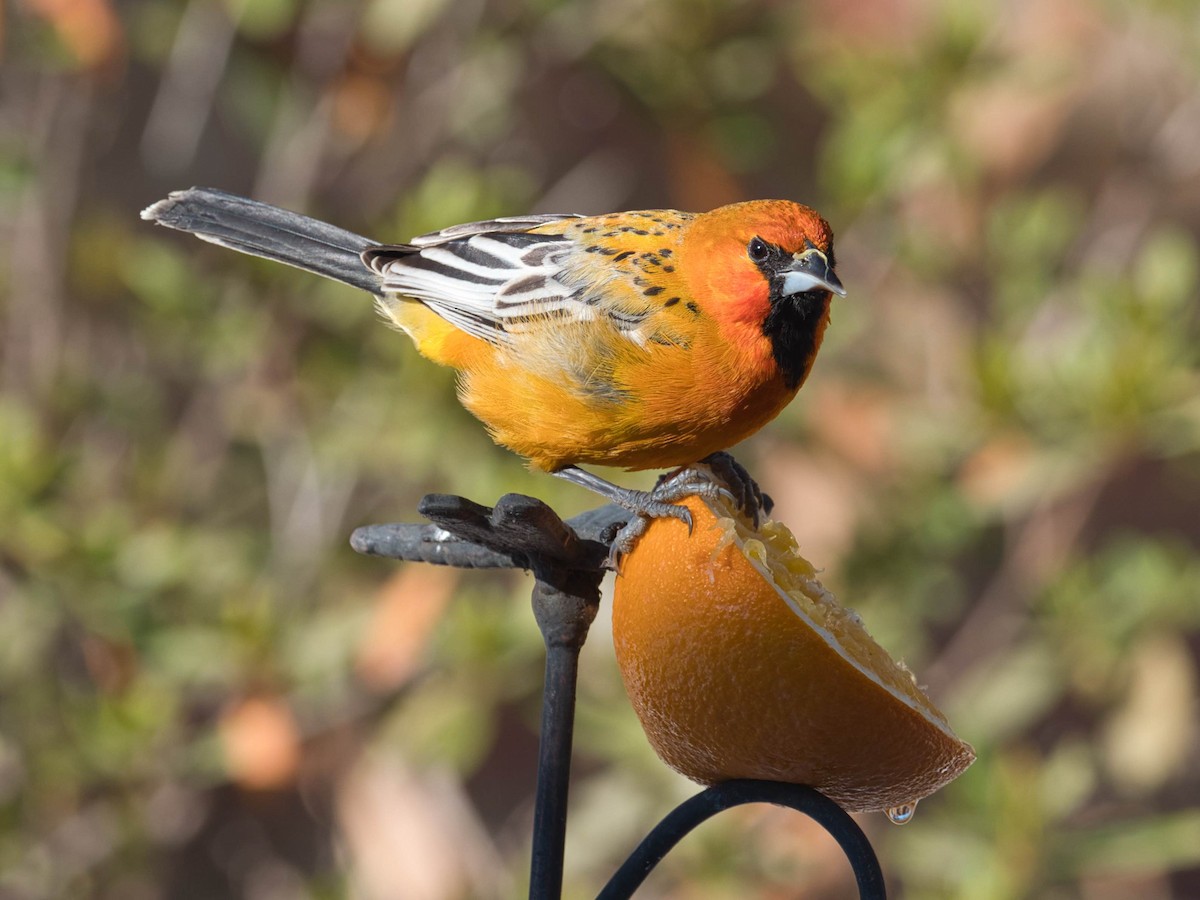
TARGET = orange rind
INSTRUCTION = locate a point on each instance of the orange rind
(740, 664)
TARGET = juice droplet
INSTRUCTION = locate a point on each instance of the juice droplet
(902, 814)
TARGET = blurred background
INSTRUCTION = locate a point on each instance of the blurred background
(205, 693)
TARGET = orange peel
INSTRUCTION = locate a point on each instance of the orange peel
(740, 664)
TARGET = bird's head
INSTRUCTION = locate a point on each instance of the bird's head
(767, 266)
(763, 252)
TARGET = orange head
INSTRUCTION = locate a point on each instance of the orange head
(767, 265)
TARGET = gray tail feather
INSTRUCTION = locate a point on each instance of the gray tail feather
(268, 231)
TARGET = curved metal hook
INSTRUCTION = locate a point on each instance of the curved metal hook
(685, 817)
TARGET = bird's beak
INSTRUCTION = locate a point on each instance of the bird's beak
(810, 269)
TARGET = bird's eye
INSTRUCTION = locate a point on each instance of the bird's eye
(758, 249)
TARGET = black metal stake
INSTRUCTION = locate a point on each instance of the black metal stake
(564, 619)
(567, 560)
(554, 773)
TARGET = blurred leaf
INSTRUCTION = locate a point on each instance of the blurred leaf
(1164, 842)
(1148, 740)
(391, 27)
(408, 608)
(262, 19)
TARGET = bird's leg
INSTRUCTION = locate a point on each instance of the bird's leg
(645, 505)
(662, 501)
(717, 474)
(650, 504)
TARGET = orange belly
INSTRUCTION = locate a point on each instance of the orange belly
(660, 408)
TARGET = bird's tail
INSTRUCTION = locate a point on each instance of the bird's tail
(268, 231)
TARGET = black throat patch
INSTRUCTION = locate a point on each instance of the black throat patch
(792, 326)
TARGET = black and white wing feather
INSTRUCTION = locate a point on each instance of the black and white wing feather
(487, 278)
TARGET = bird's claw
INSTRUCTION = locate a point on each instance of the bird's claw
(740, 485)
(649, 505)
(625, 539)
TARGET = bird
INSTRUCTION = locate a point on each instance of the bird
(648, 339)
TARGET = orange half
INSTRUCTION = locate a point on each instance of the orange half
(741, 665)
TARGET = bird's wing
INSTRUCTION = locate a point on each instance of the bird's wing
(499, 278)
(485, 283)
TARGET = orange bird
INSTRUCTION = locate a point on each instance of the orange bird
(645, 340)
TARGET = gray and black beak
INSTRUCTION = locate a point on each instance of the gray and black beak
(808, 271)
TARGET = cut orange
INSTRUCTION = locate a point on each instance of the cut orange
(741, 665)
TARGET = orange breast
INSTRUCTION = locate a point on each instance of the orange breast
(658, 407)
